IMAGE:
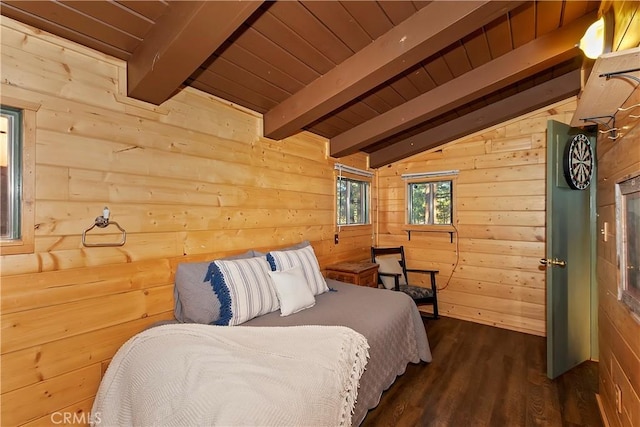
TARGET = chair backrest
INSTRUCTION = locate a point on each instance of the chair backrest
(399, 250)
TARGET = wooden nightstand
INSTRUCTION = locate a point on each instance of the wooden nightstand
(361, 273)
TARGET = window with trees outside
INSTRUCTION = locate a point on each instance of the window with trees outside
(352, 201)
(430, 203)
(17, 176)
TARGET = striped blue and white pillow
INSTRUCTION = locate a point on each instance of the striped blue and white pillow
(306, 259)
(244, 289)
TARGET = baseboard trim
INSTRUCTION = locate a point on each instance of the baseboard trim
(603, 414)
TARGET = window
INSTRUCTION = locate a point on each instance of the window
(430, 203)
(10, 172)
(352, 201)
(628, 240)
(17, 179)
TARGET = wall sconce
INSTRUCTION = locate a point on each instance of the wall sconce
(592, 43)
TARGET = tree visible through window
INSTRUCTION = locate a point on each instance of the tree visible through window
(430, 202)
(352, 201)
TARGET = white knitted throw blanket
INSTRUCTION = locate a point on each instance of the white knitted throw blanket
(197, 375)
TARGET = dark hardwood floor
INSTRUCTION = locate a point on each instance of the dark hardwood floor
(485, 376)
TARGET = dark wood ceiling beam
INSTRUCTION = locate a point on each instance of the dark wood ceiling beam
(431, 29)
(516, 105)
(179, 42)
(525, 61)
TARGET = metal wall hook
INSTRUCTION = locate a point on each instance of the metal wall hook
(610, 125)
(103, 222)
(624, 74)
(629, 107)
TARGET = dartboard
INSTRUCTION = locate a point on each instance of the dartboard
(578, 162)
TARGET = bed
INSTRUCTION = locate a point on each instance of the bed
(388, 322)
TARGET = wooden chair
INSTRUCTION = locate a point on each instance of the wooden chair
(420, 295)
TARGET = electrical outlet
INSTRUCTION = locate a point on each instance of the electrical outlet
(605, 231)
(618, 398)
(336, 239)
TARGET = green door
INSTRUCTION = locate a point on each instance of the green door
(568, 261)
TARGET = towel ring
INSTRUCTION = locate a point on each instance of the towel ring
(103, 222)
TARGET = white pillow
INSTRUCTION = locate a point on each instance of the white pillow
(292, 290)
(244, 289)
(390, 264)
(306, 259)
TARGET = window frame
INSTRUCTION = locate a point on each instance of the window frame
(626, 189)
(367, 205)
(13, 156)
(408, 202)
(24, 244)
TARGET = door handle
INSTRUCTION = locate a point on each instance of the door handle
(554, 261)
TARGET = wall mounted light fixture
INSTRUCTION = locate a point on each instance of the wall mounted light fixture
(592, 43)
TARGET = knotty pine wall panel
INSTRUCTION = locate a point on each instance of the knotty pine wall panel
(619, 331)
(190, 180)
(499, 198)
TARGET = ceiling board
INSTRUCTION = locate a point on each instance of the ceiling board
(251, 81)
(284, 36)
(477, 48)
(390, 96)
(420, 78)
(574, 9)
(275, 55)
(88, 26)
(306, 26)
(439, 70)
(363, 111)
(498, 35)
(150, 9)
(370, 16)
(256, 65)
(62, 31)
(548, 16)
(338, 20)
(457, 60)
(113, 14)
(523, 24)
(405, 88)
(240, 92)
(375, 101)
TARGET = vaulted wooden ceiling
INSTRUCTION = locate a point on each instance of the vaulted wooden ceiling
(391, 78)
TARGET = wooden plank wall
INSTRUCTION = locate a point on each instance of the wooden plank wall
(190, 180)
(499, 198)
(618, 330)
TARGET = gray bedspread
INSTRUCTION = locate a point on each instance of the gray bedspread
(389, 320)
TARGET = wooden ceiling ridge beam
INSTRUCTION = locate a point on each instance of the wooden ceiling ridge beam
(524, 102)
(525, 61)
(434, 27)
(179, 42)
